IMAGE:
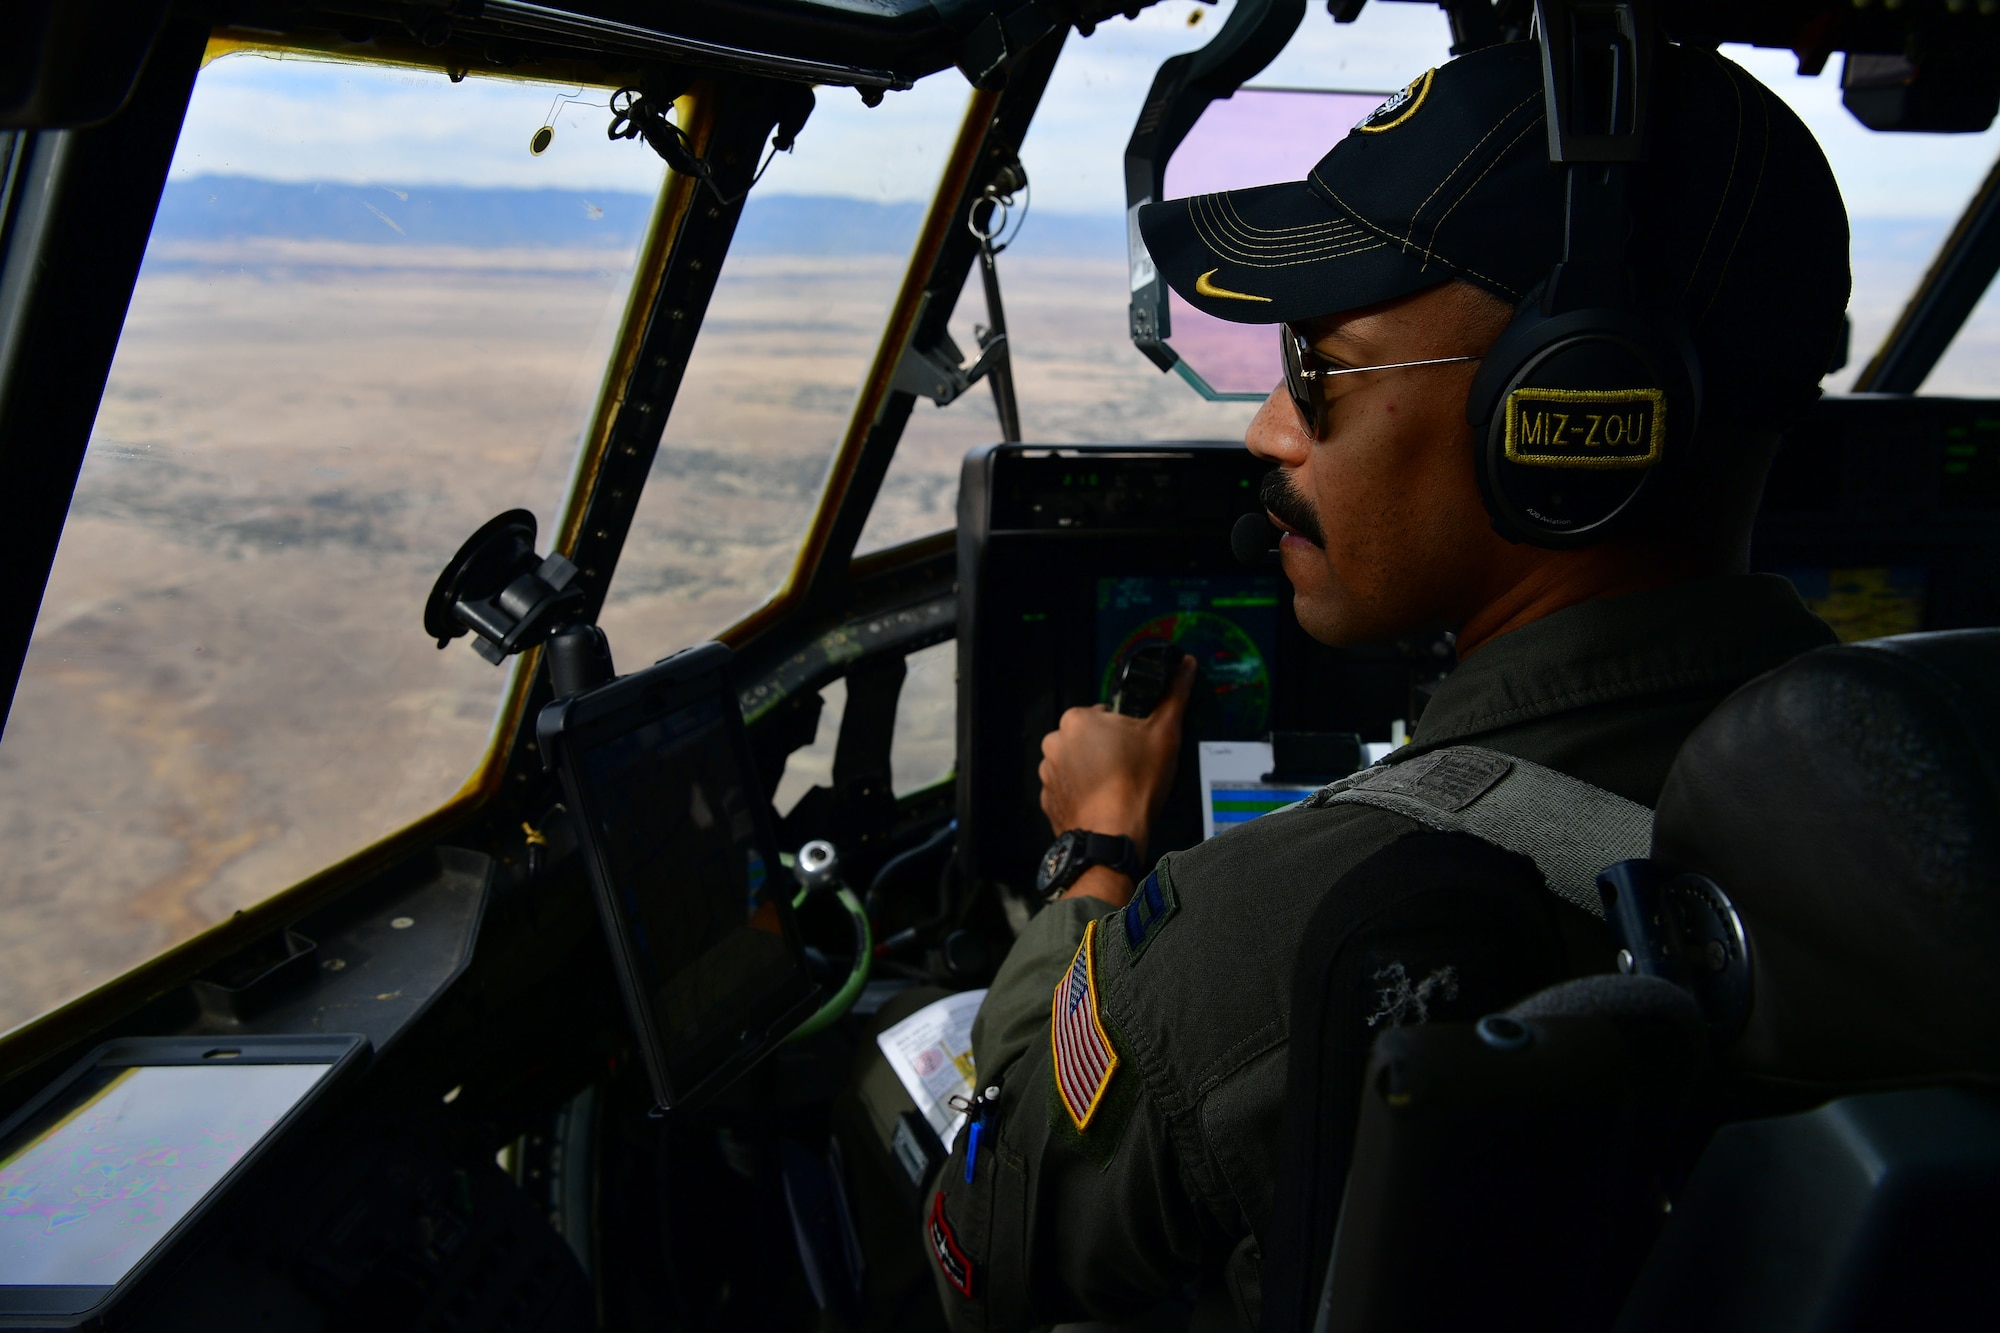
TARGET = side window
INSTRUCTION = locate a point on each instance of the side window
(922, 751)
(925, 747)
(1903, 194)
(1065, 285)
(369, 319)
(1064, 277)
(798, 310)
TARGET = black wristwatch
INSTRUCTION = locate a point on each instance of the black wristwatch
(1077, 851)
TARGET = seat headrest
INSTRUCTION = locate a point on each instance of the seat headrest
(1849, 804)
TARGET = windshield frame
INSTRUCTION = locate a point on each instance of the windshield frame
(174, 965)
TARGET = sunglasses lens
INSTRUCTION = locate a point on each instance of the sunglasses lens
(1296, 384)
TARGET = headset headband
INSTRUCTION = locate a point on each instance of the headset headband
(1588, 396)
(1596, 81)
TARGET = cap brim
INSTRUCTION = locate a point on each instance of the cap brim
(1276, 254)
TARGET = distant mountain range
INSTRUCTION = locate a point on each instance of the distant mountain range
(211, 208)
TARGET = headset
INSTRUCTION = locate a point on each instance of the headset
(1586, 404)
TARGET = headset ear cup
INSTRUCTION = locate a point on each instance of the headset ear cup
(1498, 370)
(1580, 419)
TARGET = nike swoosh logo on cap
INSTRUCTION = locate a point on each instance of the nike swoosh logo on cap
(1204, 287)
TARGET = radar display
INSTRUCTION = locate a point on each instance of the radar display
(1227, 623)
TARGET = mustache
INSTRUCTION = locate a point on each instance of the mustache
(1288, 506)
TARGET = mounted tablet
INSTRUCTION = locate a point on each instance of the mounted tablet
(658, 776)
(111, 1170)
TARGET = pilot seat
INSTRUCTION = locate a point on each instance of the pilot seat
(1775, 1109)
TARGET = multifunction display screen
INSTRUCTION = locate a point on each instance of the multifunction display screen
(1227, 623)
(93, 1183)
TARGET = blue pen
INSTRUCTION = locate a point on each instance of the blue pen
(976, 1115)
(971, 1149)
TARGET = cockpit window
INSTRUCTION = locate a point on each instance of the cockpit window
(369, 319)
(1064, 278)
(1065, 282)
(1903, 193)
(797, 312)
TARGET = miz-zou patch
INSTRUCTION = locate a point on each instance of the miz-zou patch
(1085, 1060)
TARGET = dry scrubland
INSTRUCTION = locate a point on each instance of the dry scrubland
(230, 687)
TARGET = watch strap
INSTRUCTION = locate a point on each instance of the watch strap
(1111, 850)
(1114, 851)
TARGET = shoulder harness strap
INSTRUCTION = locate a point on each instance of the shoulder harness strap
(1570, 829)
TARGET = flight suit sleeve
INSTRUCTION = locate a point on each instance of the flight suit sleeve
(1040, 1221)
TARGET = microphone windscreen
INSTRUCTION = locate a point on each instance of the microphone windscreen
(1252, 539)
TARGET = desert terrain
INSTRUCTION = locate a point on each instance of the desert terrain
(229, 685)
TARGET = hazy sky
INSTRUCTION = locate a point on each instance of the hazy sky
(297, 120)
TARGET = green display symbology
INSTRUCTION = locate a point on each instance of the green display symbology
(1233, 691)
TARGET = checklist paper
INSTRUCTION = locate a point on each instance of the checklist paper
(1233, 790)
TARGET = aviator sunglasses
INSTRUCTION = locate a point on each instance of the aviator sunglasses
(1306, 374)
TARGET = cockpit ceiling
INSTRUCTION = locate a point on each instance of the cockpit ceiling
(868, 44)
(886, 44)
(78, 59)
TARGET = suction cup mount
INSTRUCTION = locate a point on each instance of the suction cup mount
(497, 587)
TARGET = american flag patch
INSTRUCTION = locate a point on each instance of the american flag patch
(1085, 1060)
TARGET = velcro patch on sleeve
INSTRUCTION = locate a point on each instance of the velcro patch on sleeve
(1151, 905)
(944, 1244)
(1085, 1059)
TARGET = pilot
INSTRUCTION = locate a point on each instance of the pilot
(1131, 1153)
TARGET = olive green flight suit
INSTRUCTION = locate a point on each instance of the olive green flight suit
(1166, 1189)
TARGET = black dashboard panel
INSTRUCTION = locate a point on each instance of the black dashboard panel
(1885, 510)
(1067, 559)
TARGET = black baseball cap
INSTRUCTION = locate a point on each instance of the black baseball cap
(1738, 224)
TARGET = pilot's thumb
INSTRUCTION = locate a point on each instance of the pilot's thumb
(1174, 705)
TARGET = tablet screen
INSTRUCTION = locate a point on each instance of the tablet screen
(676, 832)
(92, 1184)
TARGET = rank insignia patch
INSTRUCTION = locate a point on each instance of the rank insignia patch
(1149, 909)
(944, 1244)
(1084, 1057)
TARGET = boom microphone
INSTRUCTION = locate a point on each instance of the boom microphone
(1254, 540)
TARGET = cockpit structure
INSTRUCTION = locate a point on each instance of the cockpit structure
(549, 536)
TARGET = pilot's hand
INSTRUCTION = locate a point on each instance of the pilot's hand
(1109, 773)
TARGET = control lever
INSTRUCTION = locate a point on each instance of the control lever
(817, 868)
(1143, 680)
(998, 198)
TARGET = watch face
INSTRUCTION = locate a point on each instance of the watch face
(1057, 860)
